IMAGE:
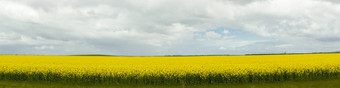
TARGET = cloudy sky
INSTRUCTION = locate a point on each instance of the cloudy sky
(168, 27)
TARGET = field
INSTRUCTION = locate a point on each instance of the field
(323, 83)
(169, 70)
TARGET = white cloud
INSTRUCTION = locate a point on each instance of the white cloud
(44, 47)
(18, 11)
(222, 48)
(225, 32)
(212, 35)
(158, 27)
(284, 45)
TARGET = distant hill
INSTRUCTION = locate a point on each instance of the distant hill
(92, 55)
(214, 54)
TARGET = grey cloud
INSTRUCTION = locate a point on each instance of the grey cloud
(333, 1)
(329, 39)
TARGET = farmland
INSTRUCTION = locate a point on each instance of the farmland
(169, 70)
(322, 83)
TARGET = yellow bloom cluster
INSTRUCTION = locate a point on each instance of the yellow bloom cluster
(169, 70)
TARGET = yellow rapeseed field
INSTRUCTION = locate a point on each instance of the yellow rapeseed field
(169, 70)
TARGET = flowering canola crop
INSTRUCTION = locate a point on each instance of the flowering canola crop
(169, 69)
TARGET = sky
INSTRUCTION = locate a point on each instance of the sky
(168, 27)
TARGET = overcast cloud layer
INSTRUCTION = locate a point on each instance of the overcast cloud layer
(168, 27)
